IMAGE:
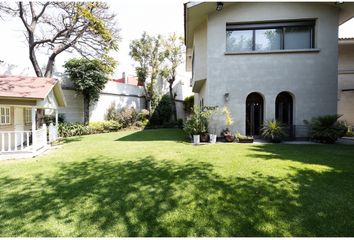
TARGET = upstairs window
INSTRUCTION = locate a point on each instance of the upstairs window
(270, 36)
(5, 116)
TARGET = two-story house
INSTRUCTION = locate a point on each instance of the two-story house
(265, 60)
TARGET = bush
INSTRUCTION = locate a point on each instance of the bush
(127, 116)
(273, 131)
(111, 112)
(105, 126)
(163, 112)
(188, 104)
(198, 123)
(73, 129)
(349, 132)
(78, 129)
(327, 129)
(180, 123)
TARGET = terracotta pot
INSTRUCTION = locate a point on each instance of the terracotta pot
(204, 137)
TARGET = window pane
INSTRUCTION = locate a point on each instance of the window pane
(2, 111)
(240, 40)
(297, 38)
(268, 39)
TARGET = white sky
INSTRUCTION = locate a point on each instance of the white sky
(133, 16)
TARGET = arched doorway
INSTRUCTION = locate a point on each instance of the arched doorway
(254, 114)
(284, 109)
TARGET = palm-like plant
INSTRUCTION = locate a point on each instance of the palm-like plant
(273, 131)
(327, 129)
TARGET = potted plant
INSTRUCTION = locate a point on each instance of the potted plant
(191, 128)
(227, 133)
(197, 125)
(273, 131)
(244, 139)
(212, 136)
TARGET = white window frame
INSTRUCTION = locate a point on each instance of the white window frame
(28, 116)
(5, 116)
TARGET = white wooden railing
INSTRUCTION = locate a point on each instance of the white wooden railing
(52, 133)
(15, 141)
(40, 138)
(27, 141)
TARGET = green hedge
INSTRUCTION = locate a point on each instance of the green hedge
(78, 129)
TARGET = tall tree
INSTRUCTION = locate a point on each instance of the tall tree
(174, 48)
(148, 53)
(89, 78)
(88, 28)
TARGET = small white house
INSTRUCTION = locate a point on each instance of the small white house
(25, 102)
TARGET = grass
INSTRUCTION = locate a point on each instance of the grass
(153, 183)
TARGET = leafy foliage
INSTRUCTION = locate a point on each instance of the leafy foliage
(78, 129)
(73, 129)
(228, 118)
(349, 132)
(188, 104)
(174, 49)
(273, 131)
(89, 78)
(198, 123)
(327, 128)
(163, 112)
(148, 53)
(89, 28)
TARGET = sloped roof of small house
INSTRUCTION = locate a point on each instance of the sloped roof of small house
(25, 87)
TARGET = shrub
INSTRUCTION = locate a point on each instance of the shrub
(111, 112)
(143, 115)
(188, 104)
(273, 131)
(73, 129)
(327, 129)
(127, 116)
(227, 133)
(163, 112)
(198, 123)
(349, 132)
(105, 126)
(78, 129)
(180, 123)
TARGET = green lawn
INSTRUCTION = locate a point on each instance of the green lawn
(153, 183)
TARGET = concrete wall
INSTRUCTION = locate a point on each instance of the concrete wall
(200, 52)
(311, 77)
(119, 94)
(346, 81)
(74, 110)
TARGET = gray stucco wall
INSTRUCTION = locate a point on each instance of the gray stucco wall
(346, 82)
(311, 77)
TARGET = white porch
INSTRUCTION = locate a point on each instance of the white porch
(26, 138)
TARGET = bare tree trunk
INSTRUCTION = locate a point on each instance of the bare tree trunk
(50, 66)
(173, 105)
(86, 109)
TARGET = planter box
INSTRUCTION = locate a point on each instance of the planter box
(196, 139)
(212, 138)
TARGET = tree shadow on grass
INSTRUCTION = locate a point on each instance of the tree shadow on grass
(176, 135)
(68, 140)
(110, 197)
